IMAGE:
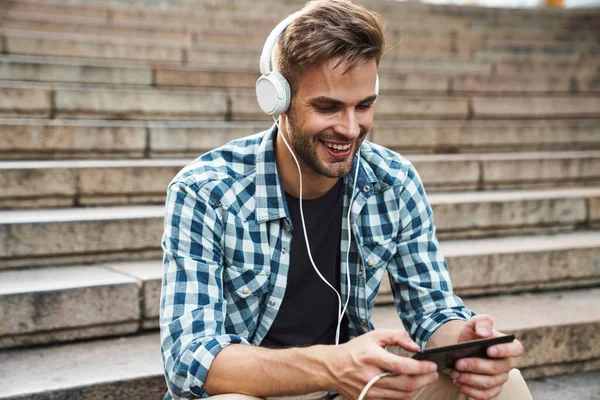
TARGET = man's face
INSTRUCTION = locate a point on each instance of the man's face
(330, 116)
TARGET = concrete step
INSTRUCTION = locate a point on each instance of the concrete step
(42, 69)
(23, 42)
(505, 68)
(108, 102)
(215, 14)
(579, 386)
(569, 52)
(75, 236)
(89, 46)
(116, 139)
(193, 14)
(481, 136)
(231, 50)
(224, 32)
(31, 99)
(131, 366)
(58, 304)
(497, 213)
(77, 139)
(31, 184)
(491, 266)
(116, 233)
(121, 368)
(62, 304)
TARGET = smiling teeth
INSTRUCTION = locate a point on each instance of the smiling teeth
(338, 146)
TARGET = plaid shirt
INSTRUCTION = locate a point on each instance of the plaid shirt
(226, 254)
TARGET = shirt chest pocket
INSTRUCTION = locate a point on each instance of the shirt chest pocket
(244, 291)
(245, 283)
(376, 255)
(375, 258)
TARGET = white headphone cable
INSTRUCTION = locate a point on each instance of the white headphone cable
(373, 380)
(341, 310)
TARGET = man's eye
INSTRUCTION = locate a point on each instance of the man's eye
(326, 109)
(364, 107)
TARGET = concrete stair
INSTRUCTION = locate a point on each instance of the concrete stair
(49, 100)
(131, 367)
(65, 303)
(74, 235)
(102, 104)
(40, 69)
(30, 139)
(143, 181)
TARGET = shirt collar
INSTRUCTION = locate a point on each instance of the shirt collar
(270, 197)
(270, 203)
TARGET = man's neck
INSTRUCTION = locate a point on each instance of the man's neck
(314, 185)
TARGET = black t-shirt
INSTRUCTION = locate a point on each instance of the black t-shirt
(308, 313)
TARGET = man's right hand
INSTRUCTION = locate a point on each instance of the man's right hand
(355, 363)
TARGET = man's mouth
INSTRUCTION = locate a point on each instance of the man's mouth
(337, 148)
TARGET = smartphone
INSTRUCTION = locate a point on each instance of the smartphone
(445, 357)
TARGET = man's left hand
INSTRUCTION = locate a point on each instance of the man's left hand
(480, 378)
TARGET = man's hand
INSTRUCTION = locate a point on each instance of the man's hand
(358, 361)
(480, 378)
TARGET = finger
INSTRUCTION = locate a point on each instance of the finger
(485, 366)
(409, 383)
(396, 337)
(478, 381)
(398, 364)
(484, 325)
(513, 349)
(477, 394)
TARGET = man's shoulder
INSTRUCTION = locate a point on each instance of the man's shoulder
(224, 165)
(387, 166)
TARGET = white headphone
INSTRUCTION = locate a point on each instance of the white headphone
(272, 89)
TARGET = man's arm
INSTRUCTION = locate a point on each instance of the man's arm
(430, 310)
(418, 272)
(345, 369)
(192, 312)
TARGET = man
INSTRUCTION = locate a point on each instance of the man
(244, 312)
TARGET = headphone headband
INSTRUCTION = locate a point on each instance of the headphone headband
(265, 57)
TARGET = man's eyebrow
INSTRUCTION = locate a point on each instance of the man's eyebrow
(325, 99)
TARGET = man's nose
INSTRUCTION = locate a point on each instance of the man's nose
(348, 125)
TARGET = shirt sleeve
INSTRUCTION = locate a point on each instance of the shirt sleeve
(192, 312)
(419, 278)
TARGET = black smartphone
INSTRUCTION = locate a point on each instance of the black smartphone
(446, 356)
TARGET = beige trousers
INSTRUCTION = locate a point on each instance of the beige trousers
(442, 389)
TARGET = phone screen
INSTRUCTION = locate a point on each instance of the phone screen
(446, 357)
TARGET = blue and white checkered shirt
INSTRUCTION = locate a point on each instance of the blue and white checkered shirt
(226, 254)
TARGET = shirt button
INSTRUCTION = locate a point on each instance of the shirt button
(272, 303)
(363, 322)
(370, 263)
(283, 250)
(367, 188)
(361, 271)
(246, 290)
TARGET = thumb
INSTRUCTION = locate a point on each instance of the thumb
(484, 326)
(390, 337)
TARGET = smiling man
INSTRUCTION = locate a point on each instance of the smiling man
(275, 246)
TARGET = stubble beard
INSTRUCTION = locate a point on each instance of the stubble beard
(306, 149)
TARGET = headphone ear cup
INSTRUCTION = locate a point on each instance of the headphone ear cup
(273, 93)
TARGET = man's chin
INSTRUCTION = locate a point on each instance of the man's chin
(336, 170)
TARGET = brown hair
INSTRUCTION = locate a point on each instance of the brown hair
(329, 29)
